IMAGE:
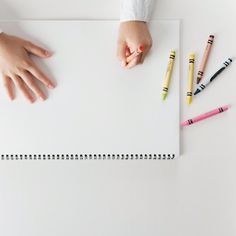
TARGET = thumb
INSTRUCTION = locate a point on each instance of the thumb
(121, 52)
(36, 50)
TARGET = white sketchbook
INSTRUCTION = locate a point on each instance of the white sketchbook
(98, 110)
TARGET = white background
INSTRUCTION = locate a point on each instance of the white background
(192, 196)
(104, 110)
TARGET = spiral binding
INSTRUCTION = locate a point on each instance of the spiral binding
(87, 157)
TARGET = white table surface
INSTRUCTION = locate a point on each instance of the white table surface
(191, 196)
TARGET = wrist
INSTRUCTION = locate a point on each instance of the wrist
(134, 21)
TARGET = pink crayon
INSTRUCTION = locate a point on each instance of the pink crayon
(205, 116)
(135, 53)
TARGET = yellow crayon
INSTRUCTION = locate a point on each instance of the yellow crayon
(190, 78)
(168, 75)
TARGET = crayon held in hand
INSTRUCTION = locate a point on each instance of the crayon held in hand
(205, 58)
(168, 75)
(139, 50)
(205, 116)
(218, 72)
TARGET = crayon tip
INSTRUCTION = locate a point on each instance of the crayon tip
(198, 80)
(191, 55)
(164, 95)
(197, 91)
(189, 100)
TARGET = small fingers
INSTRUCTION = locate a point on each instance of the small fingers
(38, 74)
(7, 81)
(134, 62)
(31, 83)
(36, 50)
(132, 56)
(23, 88)
(132, 59)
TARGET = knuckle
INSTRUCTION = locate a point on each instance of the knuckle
(19, 70)
(26, 64)
(147, 44)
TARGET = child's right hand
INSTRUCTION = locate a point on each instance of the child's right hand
(133, 34)
(17, 67)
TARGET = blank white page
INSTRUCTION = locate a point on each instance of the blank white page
(98, 107)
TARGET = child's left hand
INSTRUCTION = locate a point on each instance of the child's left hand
(133, 34)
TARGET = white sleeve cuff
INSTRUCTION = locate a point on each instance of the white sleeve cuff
(138, 10)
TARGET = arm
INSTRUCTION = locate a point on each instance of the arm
(134, 31)
(16, 67)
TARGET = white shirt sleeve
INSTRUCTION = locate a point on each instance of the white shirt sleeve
(136, 10)
(1, 31)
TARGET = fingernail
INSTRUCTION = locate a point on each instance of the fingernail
(43, 98)
(141, 48)
(50, 86)
(47, 53)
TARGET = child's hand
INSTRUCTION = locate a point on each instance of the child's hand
(16, 66)
(132, 34)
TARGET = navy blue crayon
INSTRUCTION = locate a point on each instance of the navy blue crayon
(223, 67)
